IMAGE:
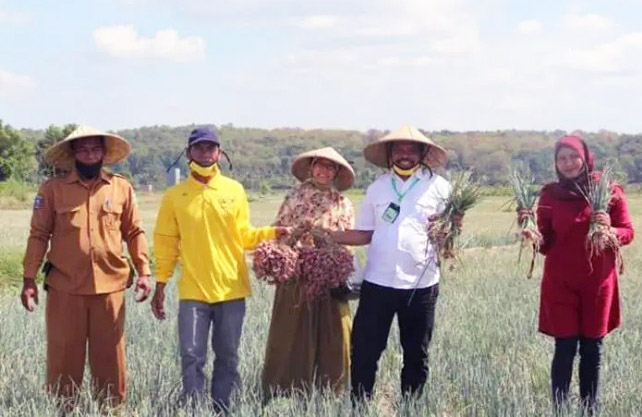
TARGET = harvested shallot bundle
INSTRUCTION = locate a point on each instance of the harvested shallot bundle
(600, 236)
(323, 268)
(308, 256)
(444, 230)
(274, 262)
(525, 196)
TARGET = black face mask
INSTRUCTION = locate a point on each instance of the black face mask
(88, 171)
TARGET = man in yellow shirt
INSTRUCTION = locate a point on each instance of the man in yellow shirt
(204, 223)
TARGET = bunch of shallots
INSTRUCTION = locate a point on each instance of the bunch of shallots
(323, 268)
(525, 196)
(601, 237)
(445, 229)
(275, 262)
(310, 257)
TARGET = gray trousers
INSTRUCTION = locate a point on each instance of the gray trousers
(194, 319)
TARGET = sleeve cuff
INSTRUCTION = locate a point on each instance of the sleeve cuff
(367, 227)
(144, 270)
(162, 278)
(623, 235)
(30, 272)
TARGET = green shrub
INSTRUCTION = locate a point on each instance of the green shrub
(15, 194)
(10, 268)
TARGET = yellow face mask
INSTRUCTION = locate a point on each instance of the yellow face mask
(405, 172)
(203, 171)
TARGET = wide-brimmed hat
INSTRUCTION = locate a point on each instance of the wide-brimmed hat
(302, 163)
(377, 152)
(61, 155)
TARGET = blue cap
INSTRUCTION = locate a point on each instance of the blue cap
(203, 134)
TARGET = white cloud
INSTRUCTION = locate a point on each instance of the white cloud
(317, 22)
(14, 18)
(437, 63)
(451, 26)
(395, 61)
(529, 27)
(441, 26)
(378, 28)
(512, 102)
(458, 43)
(588, 22)
(624, 55)
(15, 84)
(408, 33)
(308, 60)
(123, 41)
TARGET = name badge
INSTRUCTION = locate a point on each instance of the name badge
(391, 213)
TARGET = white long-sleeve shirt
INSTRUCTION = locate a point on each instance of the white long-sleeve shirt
(399, 251)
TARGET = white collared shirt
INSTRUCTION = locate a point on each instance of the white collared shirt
(400, 251)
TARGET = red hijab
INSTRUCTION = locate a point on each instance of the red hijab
(572, 188)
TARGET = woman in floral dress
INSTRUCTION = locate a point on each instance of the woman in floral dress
(309, 340)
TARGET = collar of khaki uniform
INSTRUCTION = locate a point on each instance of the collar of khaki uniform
(74, 177)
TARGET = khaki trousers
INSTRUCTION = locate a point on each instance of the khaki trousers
(77, 324)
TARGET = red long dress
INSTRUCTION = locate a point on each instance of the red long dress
(579, 296)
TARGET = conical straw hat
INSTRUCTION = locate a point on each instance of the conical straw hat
(61, 156)
(301, 166)
(376, 152)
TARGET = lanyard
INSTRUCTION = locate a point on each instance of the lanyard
(400, 196)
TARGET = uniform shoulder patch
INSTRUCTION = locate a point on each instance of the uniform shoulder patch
(38, 202)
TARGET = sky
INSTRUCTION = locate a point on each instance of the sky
(350, 64)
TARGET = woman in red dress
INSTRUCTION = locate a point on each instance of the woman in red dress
(579, 301)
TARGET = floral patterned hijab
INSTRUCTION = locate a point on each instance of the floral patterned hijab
(307, 204)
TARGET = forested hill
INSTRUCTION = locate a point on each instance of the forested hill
(261, 158)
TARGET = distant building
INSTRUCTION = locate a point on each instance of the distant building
(173, 177)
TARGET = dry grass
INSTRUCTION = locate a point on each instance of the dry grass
(487, 358)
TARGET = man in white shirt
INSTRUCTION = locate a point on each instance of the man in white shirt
(402, 270)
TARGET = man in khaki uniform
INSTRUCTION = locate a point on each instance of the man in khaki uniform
(82, 218)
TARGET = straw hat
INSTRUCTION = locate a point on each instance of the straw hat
(61, 156)
(376, 152)
(302, 162)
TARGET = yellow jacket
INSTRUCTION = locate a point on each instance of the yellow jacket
(206, 226)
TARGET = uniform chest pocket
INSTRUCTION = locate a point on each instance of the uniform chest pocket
(110, 217)
(380, 209)
(423, 210)
(69, 218)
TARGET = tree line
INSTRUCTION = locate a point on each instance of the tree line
(261, 158)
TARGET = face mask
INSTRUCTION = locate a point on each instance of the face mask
(405, 172)
(206, 172)
(88, 171)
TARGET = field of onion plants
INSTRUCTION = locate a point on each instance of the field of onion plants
(487, 358)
